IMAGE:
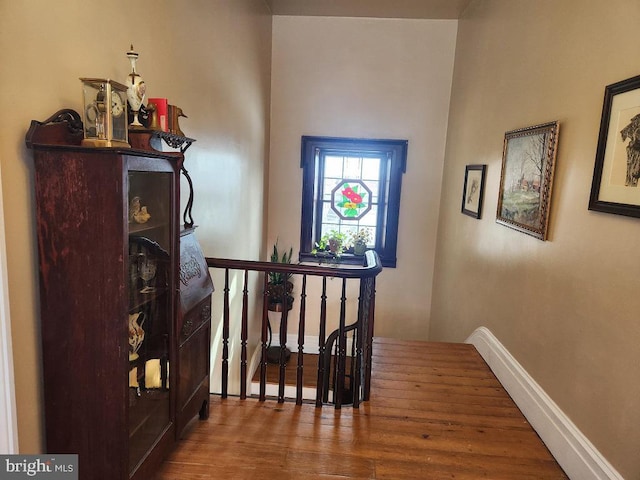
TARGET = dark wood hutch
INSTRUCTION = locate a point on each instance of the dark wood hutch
(125, 300)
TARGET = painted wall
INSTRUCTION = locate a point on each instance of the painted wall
(366, 78)
(566, 308)
(212, 58)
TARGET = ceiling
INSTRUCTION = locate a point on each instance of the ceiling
(433, 9)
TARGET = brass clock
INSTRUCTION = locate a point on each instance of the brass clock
(105, 113)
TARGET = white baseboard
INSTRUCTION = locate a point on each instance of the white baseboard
(310, 343)
(8, 415)
(290, 391)
(571, 449)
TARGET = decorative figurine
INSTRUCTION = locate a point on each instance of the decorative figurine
(137, 89)
(136, 334)
(142, 216)
(174, 114)
(137, 212)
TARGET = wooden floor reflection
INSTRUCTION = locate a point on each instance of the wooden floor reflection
(436, 412)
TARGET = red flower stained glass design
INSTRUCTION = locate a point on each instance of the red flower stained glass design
(351, 199)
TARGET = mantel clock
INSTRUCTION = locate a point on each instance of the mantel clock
(104, 113)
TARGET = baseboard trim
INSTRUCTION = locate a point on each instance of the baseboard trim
(310, 343)
(571, 449)
(290, 391)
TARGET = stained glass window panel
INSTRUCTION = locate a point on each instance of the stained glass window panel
(351, 199)
(347, 187)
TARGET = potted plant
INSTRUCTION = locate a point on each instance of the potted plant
(331, 245)
(279, 284)
(360, 239)
(279, 294)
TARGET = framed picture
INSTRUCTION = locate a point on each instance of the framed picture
(617, 169)
(528, 162)
(473, 191)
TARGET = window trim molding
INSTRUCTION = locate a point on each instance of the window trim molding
(308, 162)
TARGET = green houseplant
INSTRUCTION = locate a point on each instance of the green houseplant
(279, 294)
(360, 239)
(332, 245)
(279, 284)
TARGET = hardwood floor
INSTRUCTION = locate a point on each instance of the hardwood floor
(436, 412)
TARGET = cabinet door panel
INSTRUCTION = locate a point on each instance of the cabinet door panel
(151, 310)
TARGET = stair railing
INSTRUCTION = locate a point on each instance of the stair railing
(361, 331)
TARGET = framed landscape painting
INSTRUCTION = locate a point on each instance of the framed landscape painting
(617, 169)
(528, 163)
(473, 190)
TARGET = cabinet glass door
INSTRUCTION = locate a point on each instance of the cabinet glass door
(150, 308)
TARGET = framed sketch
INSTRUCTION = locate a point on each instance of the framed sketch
(615, 177)
(528, 163)
(473, 191)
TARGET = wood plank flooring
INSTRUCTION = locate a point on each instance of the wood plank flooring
(436, 412)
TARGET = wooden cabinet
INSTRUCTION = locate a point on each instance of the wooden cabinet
(114, 373)
(194, 332)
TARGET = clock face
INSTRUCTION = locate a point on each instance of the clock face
(117, 105)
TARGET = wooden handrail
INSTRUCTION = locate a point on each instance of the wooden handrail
(370, 267)
(360, 369)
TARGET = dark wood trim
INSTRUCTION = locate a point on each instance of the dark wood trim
(371, 267)
(395, 150)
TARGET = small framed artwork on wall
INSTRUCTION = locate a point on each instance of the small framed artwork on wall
(528, 163)
(473, 190)
(617, 170)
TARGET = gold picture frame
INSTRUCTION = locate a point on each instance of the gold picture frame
(526, 180)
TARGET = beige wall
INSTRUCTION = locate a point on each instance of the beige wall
(367, 78)
(567, 308)
(212, 58)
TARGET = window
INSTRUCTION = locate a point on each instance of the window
(351, 184)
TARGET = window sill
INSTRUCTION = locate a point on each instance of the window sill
(344, 259)
(324, 258)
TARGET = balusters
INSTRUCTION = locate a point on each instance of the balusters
(356, 379)
(342, 348)
(322, 347)
(367, 330)
(343, 374)
(283, 341)
(301, 327)
(243, 337)
(225, 336)
(265, 327)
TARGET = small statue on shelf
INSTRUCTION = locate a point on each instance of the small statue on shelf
(137, 212)
(136, 334)
(174, 114)
(137, 89)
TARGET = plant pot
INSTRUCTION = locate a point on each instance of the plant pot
(276, 295)
(359, 248)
